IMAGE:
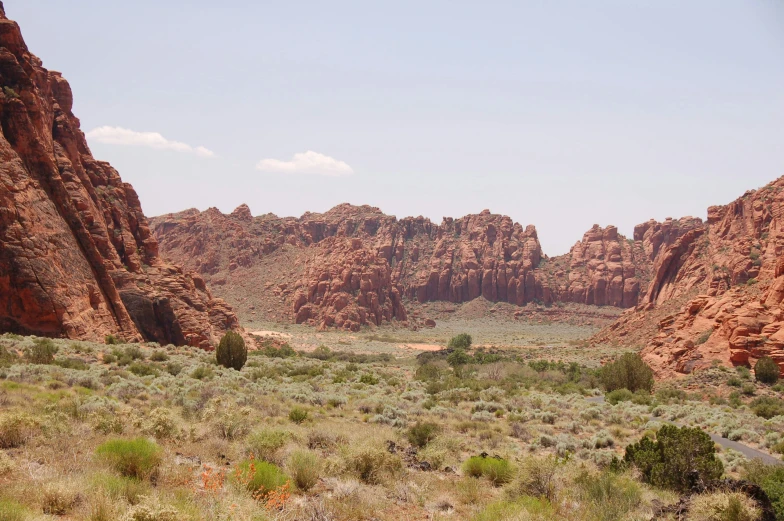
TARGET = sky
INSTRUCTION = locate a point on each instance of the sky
(560, 114)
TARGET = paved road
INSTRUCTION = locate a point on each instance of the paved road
(724, 442)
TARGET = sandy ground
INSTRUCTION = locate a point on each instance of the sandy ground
(422, 347)
(274, 334)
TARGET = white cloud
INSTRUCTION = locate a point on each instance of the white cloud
(123, 136)
(307, 163)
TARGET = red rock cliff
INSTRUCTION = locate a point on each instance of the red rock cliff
(481, 255)
(727, 277)
(77, 258)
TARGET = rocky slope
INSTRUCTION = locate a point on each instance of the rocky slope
(77, 258)
(716, 292)
(355, 265)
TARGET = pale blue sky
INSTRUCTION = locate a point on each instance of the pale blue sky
(558, 113)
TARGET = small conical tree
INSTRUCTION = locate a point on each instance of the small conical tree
(231, 351)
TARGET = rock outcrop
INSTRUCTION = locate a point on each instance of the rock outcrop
(77, 257)
(482, 255)
(727, 278)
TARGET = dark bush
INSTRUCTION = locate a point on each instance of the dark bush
(298, 415)
(422, 433)
(619, 395)
(231, 351)
(159, 356)
(111, 340)
(369, 379)
(322, 352)
(429, 371)
(458, 357)
(766, 370)
(627, 372)
(42, 351)
(679, 459)
(284, 351)
(771, 479)
(767, 407)
(142, 369)
(6, 358)
(461, 341)
(497, 470)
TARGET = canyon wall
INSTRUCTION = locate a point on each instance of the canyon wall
(77, 257)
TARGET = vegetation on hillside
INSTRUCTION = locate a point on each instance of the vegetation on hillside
(148, 432)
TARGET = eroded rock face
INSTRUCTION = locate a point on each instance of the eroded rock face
(77, 258)
(728, 275)
(482, 255)
(346, 286)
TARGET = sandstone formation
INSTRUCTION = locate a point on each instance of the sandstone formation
(482, 255)
(77, 258)
(725, 281)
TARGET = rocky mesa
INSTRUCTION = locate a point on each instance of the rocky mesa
(716, 292)
(355, 265)
(77, 257)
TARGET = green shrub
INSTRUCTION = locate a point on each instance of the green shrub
(136, 458)
(368, 379)
(59, 500)
(266, 444)
(259, 477)
(159, 356)
(610, 496)
(771, 479)
(619, 395)
(498, 471)
(111, 340)
(767, 407)
(427, 371)
(284, 351)
(298, 415)
(704, 336)
(16, 429)
(422, 433)
(142, 369)
(461, 341)
(117, 488)
(203, 372)
(766, 370)
(524, 508)
(723, 506)
(458, 358)
(231, 351)
(10, 510)
(305, 468)
(41, 352)
(6, 358)
(322, 352)
(72, 363)
(628, 372)
(678, 459)
(372, 463)
(748, 389)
